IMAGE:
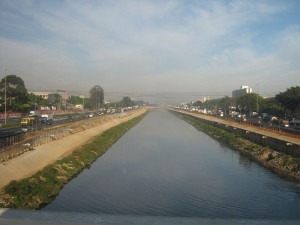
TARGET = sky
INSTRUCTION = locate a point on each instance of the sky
(152, 49)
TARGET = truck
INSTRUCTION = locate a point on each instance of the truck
(295, 121)
(26, 121)
(33, 113)
(47, 118)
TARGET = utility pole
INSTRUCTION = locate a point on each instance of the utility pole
(82, 96)
(65, 98)
(83, 104)
(257, 105)
(5, 97)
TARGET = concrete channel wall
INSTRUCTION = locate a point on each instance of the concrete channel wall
(264, 140)
(28, 141)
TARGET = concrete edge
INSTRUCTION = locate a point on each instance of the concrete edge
(26, 217)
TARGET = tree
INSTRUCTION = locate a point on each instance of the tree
(75, 100)
(96, 97)
(78, 100)
(249, 102)
(126, 102)
(212, 104)
(271, 106)
(36, 101)
(55, 100)
(16, 92)
(290, 100)
(225, 103)
(197, 103)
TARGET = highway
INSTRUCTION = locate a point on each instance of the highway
(5, 133)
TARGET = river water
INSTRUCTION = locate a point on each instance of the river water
(164, 166)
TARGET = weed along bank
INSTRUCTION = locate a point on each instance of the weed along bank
(41, 187)
(166, 164)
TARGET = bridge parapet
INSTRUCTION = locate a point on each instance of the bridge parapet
(26, 217)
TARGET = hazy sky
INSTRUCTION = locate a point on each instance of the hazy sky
(152, 46)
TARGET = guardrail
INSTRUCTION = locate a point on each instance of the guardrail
(264, 140)
(13, 146)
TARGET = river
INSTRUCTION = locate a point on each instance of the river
(165, 167)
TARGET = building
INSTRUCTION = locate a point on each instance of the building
(204, 99)
(44, 94)
(242, 91)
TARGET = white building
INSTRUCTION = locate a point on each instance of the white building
(242, 91)
(204, 99)
(44, 94)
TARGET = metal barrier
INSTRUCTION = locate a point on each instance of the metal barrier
(13, 146)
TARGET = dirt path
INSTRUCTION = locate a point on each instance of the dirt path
(278, 135)
(30, 162)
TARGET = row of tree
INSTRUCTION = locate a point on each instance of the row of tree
(18, 99)
(285, 104)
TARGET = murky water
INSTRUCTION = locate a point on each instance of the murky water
(164, 166)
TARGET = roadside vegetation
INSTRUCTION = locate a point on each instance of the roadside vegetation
(9, 125)
(41, 188)
(283, 164)
(285, 105)
(20, 100)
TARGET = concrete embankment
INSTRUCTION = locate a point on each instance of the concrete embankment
(284, 159)
(279, 141)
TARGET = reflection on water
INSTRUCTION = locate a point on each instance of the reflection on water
(164, 166)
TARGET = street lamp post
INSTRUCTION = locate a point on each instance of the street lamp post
(82, 96)
(4, 69)
(257, 105)
(240, 108)
(83, 104)
(5, 100)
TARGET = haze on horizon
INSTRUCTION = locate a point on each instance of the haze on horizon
(152, 47)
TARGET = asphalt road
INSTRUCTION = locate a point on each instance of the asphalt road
(60, 119)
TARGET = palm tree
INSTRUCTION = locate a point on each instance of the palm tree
(96, 97)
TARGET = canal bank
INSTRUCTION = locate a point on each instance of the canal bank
(164, 166)
(54, 163)
(284, 160)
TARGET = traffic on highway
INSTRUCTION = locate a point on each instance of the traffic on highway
(32, 123)
(264, 120)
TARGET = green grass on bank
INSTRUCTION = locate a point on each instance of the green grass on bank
(222, 135)
(41, 188)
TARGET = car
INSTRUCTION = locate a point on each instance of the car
(26, 128)
(49, 122)
(44, 119)
(285, 123)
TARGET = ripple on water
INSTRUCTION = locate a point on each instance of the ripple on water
(164, 167)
